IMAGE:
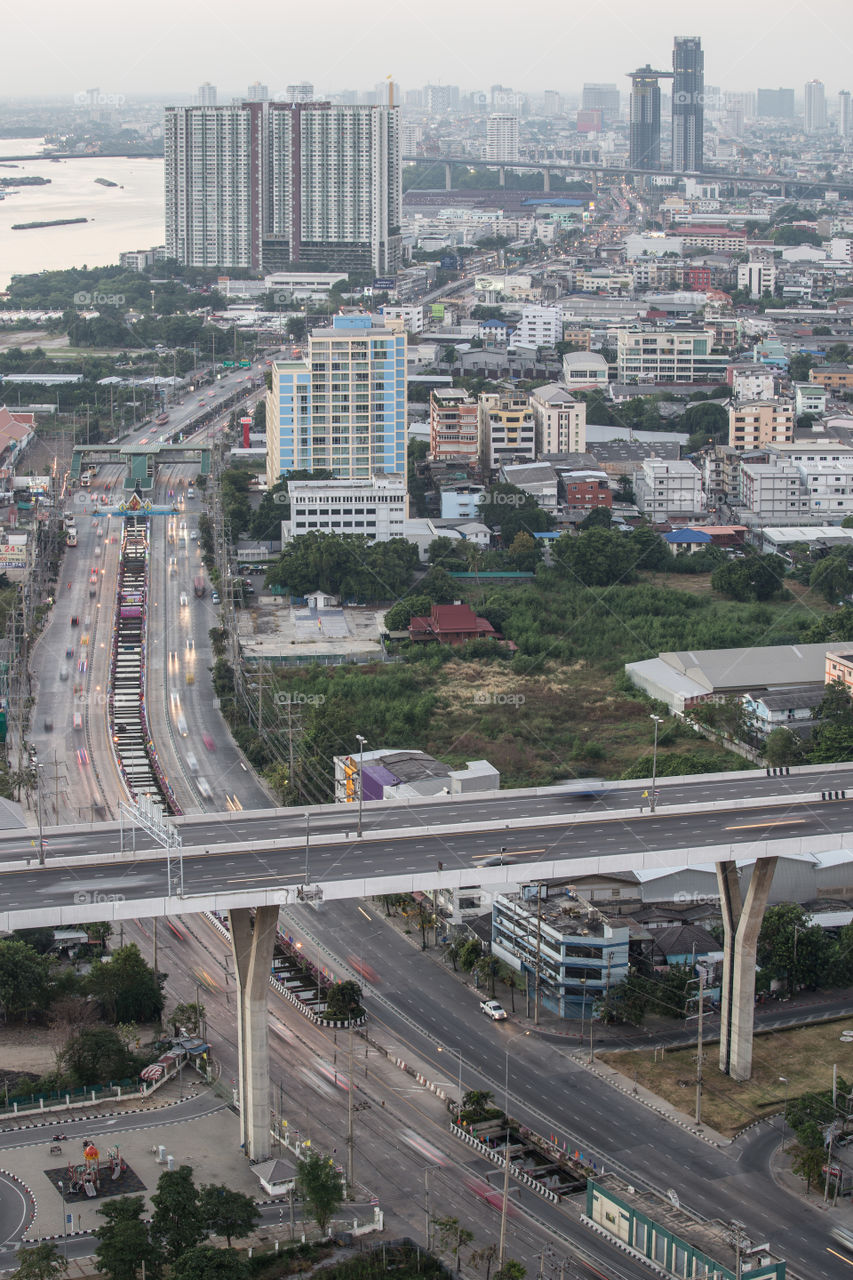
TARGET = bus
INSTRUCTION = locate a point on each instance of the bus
(161, 420)
(71, 536)
(88, 476)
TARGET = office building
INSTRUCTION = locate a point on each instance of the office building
(539, 327)
(603, 98)
(753, 424)
(343, 408)
(560, 420)
(453, 425)
(814, 108)
(644, 145)
(569, 952)
(257, 92)
(439, 98)
(688, 104)
(507, 430)
(671, 355)
(668, 488)
(758, 276)
(552, 103)
(502, 138)
(377, 507)
(774, 491)
(206, 94)
(775, 104)
(264, 185)
(303, 92)
(845, 122)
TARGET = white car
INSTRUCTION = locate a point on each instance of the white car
(184, 599)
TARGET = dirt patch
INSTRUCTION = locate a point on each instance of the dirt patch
(805, 1055)
(26, 1049)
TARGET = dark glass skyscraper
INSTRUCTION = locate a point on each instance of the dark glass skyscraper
(688, 109)
(645, 118)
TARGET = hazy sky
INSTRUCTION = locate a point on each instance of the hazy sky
(171, 46)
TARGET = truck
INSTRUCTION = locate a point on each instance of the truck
(493, 1010)
(198, 587)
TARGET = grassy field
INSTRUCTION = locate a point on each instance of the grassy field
(803, 1055)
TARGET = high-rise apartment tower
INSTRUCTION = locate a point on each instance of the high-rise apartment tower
(688, 104)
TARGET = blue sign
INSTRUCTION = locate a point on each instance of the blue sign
(386, 284)
(449, 263)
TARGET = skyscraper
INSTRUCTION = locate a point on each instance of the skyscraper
(814, 115)
(776, 104)
(688, 104)
(267, 184)
(502, 138)
(303, 92)
(603, 98)
(845, 123)
(645, 117)
(257, 92)
(207, 94)
(344, 408)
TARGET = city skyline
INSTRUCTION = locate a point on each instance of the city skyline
(95, 44)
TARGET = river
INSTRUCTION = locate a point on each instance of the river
(127, 216)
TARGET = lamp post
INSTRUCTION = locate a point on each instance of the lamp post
(658, 721)
(505, 1196)
(361, 742)
(61, 1186)
(38, 807)
(798, 929)
(784, 1080)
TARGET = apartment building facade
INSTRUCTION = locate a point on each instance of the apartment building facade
(507, 430)
(269, 184)
(774, 491)
(666, 488)
(377, 508)
(560, 419)
(453, 424)
(754, 424)
(670, 355)
(344, 408)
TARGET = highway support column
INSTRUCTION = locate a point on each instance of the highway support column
(741, 925)
(253, 944)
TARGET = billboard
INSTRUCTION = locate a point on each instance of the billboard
(449, 262)
(387, 284)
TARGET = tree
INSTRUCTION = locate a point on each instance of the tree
(485, 1257)
(96, 1055)
(598, 518)
(178, 1222)
(124, 1242)
(228, 1213)
(452, 1235)
(41, 1261)
(832, 577)
(782, 747)
(24, 979)
(525, 552)
(808, 1160)
(343, 1000)
(791, 948)
(625, 489)
(206, 1262)
(127, 988)
(400, 615)
(187, 1015)
(753, 578)
(511, 1270)
(321, 1186)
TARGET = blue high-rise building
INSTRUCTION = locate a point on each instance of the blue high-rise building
(343, 408)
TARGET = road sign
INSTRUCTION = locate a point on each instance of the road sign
(245, 364)
(227, 364)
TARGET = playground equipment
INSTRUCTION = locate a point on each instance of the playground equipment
(86, 1178)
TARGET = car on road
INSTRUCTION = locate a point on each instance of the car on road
(493, 1010)
(83, 666)
(75, 621)
(204, 788)
(192, 762)
(184, 599)
(69, 652)
(63, 671)
(214, 596)
(208, 742)
(82, 756)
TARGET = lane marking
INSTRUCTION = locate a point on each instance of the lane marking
(778, 822)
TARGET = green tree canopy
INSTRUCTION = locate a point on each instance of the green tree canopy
(96, 1055)
(177, 1224)
(752, 578)
(321, 1186)
(343, 1000)
(512, 511)
(206, 1262)
(525, 552)
(41, 1261)
(124, 1241)
(832, 577)
(127, 988)
(228, 1213)
(598, 518)
(24, 979)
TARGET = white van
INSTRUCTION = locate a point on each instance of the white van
(77, 721)
(192, 762)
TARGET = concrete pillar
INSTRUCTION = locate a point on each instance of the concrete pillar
(546, 179)
(448, 177)
(741, 924)
(502, 176)
(253, 951)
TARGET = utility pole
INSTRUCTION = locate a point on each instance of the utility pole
(427, 1171)
(154, 961)
(538, 954)
(699, 1048)
(505, 1196)
(350, 1128)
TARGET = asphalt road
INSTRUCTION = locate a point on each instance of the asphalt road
(534, 850)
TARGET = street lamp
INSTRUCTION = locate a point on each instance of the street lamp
(658, 721)
(459, 1085)
(61, 1186)
(361, 741)
(38, 807)
(783, 1080)
(505, 1197)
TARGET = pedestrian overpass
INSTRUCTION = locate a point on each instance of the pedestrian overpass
(140, 461)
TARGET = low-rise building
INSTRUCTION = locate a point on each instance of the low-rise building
(410, 316)
(783, 708)
(539, 327)
(578, 951)
(773, 491)
(453, 424)
(539, 479)
(756, 423)
(749, 382)
(666, 489)
(585, 371)
(810, 397)
(669, 355)
(376, 508)
(829, 486)
(452, 624)
(835, 377)
(586, 489)
(560, 419)
(462, 502)
(507, 430)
